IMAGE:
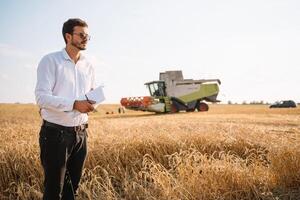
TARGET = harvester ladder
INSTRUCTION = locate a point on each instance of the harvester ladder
(168, 104)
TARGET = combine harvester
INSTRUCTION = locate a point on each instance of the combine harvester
(172, 94)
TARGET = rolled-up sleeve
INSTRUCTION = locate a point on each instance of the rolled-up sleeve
(44, 87)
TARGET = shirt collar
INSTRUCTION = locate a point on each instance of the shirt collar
(65, 54)
(67, 57)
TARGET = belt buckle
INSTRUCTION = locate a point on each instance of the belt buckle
(79, 128)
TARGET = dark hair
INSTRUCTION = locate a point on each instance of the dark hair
(70, 24)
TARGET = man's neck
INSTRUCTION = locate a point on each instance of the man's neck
(73, 52)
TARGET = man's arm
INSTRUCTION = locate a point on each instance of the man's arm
(45, 83)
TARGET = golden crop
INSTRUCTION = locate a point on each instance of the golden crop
(229, 152)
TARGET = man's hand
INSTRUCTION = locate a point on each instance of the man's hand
(84, 106)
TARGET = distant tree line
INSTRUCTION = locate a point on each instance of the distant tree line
(261, 102)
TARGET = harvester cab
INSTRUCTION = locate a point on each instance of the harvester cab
(156, 88)
(172, 93)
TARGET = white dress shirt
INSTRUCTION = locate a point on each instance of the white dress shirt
(59, 83)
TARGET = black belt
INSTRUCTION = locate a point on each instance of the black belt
(67, 128)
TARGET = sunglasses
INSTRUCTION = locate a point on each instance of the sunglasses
(83, 36)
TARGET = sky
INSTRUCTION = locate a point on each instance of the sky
(253, 47)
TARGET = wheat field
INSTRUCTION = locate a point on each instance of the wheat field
(229, 152)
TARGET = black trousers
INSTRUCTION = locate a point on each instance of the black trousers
(63, 153)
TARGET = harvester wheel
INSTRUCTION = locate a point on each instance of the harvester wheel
(202, 107)
(174, 108)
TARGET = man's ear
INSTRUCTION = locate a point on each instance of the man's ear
(68, 37)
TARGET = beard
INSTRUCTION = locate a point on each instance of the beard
(78, 45)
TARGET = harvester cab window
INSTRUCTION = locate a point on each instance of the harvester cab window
(157, 89)
(152, 89)
(161, 89)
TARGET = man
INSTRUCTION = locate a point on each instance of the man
(63, 79)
